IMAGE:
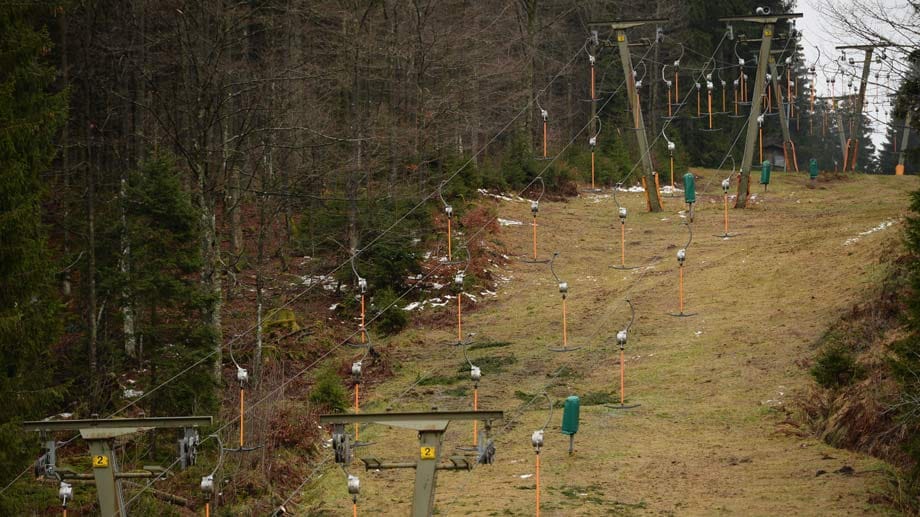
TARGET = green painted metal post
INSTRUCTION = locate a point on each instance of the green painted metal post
(813, 168)
(765, 169)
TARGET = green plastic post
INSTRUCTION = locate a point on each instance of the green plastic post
(813, 168)
(765, 173)
(689, 188)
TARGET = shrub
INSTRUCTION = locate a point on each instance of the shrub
(390, 318)
(328, 392)
(835, 367)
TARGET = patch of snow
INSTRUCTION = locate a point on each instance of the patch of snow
(502, 197)
(132, 393)
(488, 293)
(698, 333)
(668, 189)
(412, 306)
(634, 188)
(526, 476)
(435, 285)
(881, 226)
(509, 222)
(333, 307)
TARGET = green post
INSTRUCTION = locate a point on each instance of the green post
(689, 188)
(766, 167)
(570, 414)
(813, 168)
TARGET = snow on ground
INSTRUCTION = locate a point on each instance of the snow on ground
(634, 188)
(668, 189)
(503, 197)
(881, 226)
(509, 222)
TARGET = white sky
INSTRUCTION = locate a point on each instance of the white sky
(820, 32)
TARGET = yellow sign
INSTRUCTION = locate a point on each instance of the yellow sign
(100, 462)
(621, 37)
(768, 32)
(428, 453)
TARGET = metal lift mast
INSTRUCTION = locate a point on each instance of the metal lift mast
(768, 22)
(619, 27)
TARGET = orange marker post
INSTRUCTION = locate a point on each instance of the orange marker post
(357, 406)
(534, 224)
(207, 509)
(565, 333)
(459, 320)
(544, 139)
(709, 95)
(725, 211)
(475, 422)
(363, 333)
(537, 476)
(242, 414)
(449, 254)
(592, 168)
(622, 377)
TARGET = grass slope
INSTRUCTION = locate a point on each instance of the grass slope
(710, 436)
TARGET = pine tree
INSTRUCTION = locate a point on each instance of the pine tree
(30, 116)
(165, 261)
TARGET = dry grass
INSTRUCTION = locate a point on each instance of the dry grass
(710, 436)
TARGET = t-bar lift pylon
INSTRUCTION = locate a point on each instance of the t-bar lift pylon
(852, 154)
(619, 27)
(100, 433)
(768, 22)
(431, 427)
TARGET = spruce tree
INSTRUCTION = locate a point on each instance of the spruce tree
(30, 117)
(169, 300)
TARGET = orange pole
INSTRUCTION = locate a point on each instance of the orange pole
(242, 414)
(592, 83)
(669, 103)
(761, 143)
(363, 333)
(64, 513)
(681, 288)
(639, 106)
(535, 237)
(723, 101)
(736, 101)
(475, 422)
(676, 86)
(354, 509)
(623, 243)
(592, 168)
(449, 257)
(565, 331)
(622, 378)
(357, 407)
(459, 325)
(725, 210)
(855, 153)
(544, 139)
(709, 95)
(699, 110)
(207, 509)
(672, 171)
(846, 155)
(538, 484)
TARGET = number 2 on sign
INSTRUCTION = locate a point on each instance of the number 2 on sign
(427, 453)
(100, 461)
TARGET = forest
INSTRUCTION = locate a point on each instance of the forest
(186, 188)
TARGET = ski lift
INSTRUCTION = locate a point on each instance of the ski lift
(726, 185)
(65, 493)
(563, 290)
(668, 84)
(699, 96)
(671, 148)
(592, 143)
(534, 209)
(362, 291)
(710, 129)
(677, 101)
(681, 257)
(242, 377)
(207, 482)
(354, 489)
(537, 441)
(449, 212)
(621, 213)
(357, 374)
(622, 337)
(545, 116)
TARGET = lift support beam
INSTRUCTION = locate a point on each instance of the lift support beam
(431, 427)
(99, 433)
(619, 27)
(768, 23)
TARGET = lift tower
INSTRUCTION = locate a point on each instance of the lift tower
(860, 99)
(769, 23)
(100, 433)
(431, 427)
(619, 27)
